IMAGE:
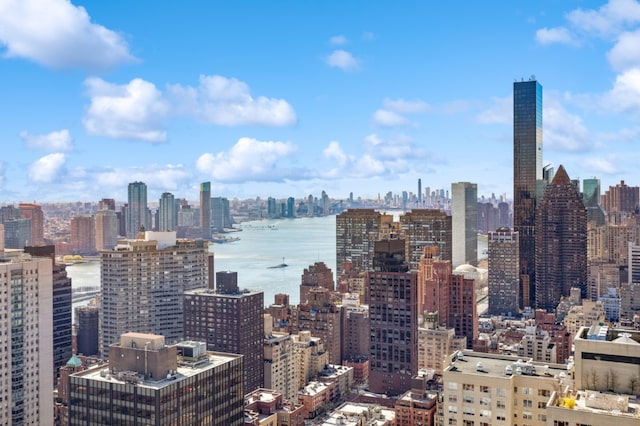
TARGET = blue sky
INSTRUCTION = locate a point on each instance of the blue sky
(289, 98)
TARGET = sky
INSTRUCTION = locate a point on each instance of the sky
(290, 98)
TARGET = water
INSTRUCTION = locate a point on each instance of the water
(301, 242)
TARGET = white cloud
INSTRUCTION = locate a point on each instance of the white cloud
(130, 111)
(626, 52)
(601, 165)
(55, 33)
(386, 118)
(499, 112)
(403, 106)
(342, 59)
(338, 40)
(47, 168)
(564, 131)
(555, 35)
(609, 19)
(625, 94)
(55, 141)
(161, 177)
(334, 152)
(249, 160)
(228, 102)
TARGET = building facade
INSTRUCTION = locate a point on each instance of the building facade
(106, 233)
(504, 272)
(464, 223)
(137, 212)
(167, 213)
(205, 210)
(143, 282)
(423, 228)
(83, 235)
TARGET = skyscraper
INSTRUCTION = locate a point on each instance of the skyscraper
(143, 282)
(426, 227)
(27, 351)
(591, 200)
(464, 221)
(393, 311)
(527, 171)
(83, 235)
(356, 232)
(229, 320)
(220, 214)
(167, 213)
(561, 242)
(106, 229)
(205, 209)
(504, 277)
(34, 212)
(137, 209)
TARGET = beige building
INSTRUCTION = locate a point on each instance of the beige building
(537, 345)
(26, 283)
(591, 408)
(311, 356)
(280, 362)
(484, 389)
(435, 344)
(584, 315)
(607, 360)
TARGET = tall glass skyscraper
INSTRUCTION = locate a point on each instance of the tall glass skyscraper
(527, 171)
(167, 213)
(137, 209)
(205, 209)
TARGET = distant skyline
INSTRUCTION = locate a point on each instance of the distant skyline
(292, 98)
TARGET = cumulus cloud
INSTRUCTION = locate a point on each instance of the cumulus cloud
(499, 112)
(601, 165)
(564, 131)
(392, 113)
(334, 152)
(338, 40)
(386, 118)
(609, 19)
(130, 111)
(57, 34)
(249, 160)
(342, 59)
(555, 35)
(55, 141)
(228, 102)
(161, 177)
(47, 168)
(625, 94)
(625, 53)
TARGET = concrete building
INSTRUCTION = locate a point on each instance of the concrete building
(394, 319)
(266, 407)
(147, 382)
(585, 407)
(464, 223)
(621, 198)
(561, 241)
(316, 275)
(426, 227)
(311, 356)
(34, 213)
(280, 362)
(504, 273)
(229, 320)
(26, 372)
(356, 232)
(481, 388)
(83, 235)
(585, 315)
(434, 280)
(143, 281)
(106, 233)
(463, 312)
(416, 406)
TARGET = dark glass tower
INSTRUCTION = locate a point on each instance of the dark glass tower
(205, 209)
(136, 209)
(561, 242)
(527, 171)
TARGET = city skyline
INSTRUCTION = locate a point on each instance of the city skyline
(291, 99)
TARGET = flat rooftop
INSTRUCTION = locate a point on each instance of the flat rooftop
(495, 365)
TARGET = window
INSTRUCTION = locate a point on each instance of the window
(467, 387)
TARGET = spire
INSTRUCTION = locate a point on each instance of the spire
(561, 177)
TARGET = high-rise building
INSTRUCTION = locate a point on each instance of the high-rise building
(106, 229)
(419, 192)
(220, 214)
(27, 353)
(463, 314)
(356, 232)
(464, 220)
(143, 282)
(205, 209)
(137, 210)
(291, 207)
(527, 171)
(107, 204)
(229, 320)
(504, 272)
(17, 233)
(426, 227)
(561, 242)
(393, 310)
(87, 334)
(167, 213)
(434, 279)
(147, 382)
(83, 235)
(280, 361)
(621, 198)
(34, 212)
(591, 200)
(316, 275)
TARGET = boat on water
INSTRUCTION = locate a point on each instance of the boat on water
(281, 265)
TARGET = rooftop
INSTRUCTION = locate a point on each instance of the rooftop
(495, 365)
